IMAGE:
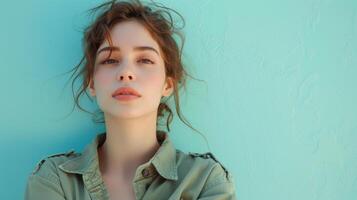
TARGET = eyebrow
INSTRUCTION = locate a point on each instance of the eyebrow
(139, 48)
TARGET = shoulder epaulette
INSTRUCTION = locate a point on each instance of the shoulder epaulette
(211, 156)
(39, 164)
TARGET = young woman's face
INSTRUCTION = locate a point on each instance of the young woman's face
(142, 70)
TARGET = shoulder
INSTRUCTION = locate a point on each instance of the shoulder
(212, 178)
(44, 180)
(208, 165)
(47, 166)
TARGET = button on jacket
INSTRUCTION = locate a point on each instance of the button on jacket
(169, 175)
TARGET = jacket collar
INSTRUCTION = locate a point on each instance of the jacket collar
(164, 160)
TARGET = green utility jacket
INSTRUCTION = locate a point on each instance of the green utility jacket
(169, 175)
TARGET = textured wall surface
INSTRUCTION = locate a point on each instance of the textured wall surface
(277, 105)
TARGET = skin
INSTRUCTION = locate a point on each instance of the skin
(130, 126)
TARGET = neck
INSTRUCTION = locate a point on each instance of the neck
(129, 143)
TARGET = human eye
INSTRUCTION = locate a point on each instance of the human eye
(106, 61)
(147, 61)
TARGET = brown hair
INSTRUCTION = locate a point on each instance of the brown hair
(161, 29)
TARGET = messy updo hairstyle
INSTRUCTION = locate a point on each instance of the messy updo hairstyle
(160, 25)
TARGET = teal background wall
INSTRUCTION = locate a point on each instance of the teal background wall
(278, 105)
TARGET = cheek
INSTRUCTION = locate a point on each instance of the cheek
(103, 79)
(155, 82)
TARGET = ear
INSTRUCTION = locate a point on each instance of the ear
(168, 87)
(91, 88)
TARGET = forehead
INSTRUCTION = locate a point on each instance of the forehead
(129, 34)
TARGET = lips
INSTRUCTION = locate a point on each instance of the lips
(125, 91)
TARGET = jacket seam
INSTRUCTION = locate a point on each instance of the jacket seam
(52, 177)
(58, 178)
(217, 181)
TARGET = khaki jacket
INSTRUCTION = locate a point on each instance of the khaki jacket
(169, 175)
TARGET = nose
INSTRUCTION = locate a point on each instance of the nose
(125, 73)
(126, 77)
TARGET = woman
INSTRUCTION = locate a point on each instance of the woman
(132, 66)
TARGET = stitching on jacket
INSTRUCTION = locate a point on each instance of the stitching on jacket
(210, 155)
(217, 181)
